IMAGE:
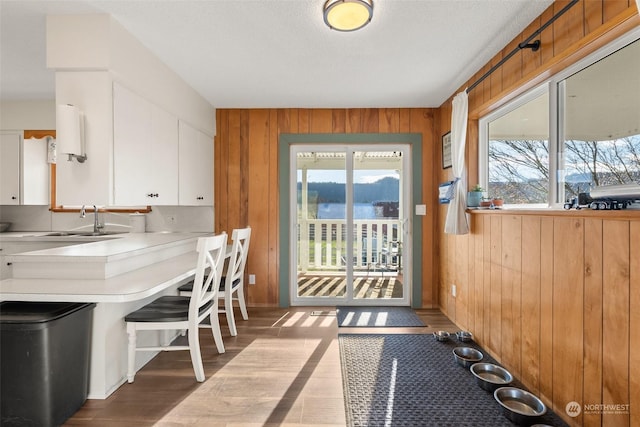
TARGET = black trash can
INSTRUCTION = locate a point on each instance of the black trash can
(44, 361)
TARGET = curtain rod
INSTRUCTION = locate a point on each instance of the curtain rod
(534, 46)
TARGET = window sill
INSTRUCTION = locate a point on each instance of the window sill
(587, 213)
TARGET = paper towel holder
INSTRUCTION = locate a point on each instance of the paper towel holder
(70, 132)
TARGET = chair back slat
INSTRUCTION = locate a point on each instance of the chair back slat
(239, 251)
(211, 253)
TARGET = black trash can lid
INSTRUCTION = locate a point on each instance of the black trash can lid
(13, 312)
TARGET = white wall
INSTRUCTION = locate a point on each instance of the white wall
(34, 115)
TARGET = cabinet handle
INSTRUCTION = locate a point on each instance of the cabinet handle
(13, 197)
(152, 195)
(199, 198)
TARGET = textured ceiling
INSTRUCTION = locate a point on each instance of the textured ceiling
(279, 53)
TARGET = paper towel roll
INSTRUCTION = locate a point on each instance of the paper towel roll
(137, 221)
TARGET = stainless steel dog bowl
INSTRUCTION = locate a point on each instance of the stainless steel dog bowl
(519, 406)
(442, 335)
(467, 356)
(464, 336)
(490, 376)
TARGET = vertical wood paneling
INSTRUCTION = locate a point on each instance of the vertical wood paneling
(568, 28)
(462, 281)
(273, 291)
(354, 122)
(496, 287)
(221, 156)
(478, 276)
(495, 79)
(389, 120)
(546, 37)
(321, 121)
(547, 265)
(233, 171)
(486, 278)
(615, 316)
(570, 273)
(339, 117)
(611, 8)
(257, 211)
(531, 60)
(370, 120)
(511, 292)
(593, 15)
(512, 69)
(592, 387)
(246, 157)
(530, 349)
(634, 323)
(568, 290)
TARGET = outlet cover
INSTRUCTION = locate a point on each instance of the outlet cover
(252, 279)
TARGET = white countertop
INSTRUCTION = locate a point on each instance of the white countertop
(149, 273)
(110, 248)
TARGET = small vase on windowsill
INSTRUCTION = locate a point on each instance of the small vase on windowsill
(474, 197)
(497, 202)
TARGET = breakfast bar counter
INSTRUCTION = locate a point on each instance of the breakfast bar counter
(120, 275)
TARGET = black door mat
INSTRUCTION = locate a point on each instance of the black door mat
(413, 380)
(385, 317)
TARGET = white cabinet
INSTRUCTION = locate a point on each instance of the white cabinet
(196, 167)
(145, 147)
(24, 171)
(10, 168)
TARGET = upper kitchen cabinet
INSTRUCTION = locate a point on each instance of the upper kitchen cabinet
(145, 149)
(196, 167)
(24, 171)
(10, 168)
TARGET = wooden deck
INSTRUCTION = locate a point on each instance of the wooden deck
(372, 286)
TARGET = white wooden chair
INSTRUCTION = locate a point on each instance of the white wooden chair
(184, 312)
(232, 284)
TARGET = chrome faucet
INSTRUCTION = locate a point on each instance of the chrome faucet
(96, 220)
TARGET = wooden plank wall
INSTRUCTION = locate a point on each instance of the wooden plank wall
(246, 178)
(553, 296)
(552, 299)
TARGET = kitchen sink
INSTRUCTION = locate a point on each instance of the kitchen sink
(83, 233)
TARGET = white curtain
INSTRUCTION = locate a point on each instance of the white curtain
(456, 222)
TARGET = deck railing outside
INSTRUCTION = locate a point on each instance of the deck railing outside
(322, 244)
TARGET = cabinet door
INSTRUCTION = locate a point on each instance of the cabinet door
(35, 171)
(163, 156)
(196, 167)
(145, 151)
(10, 168)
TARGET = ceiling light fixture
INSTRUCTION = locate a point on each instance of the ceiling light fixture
(347, 15)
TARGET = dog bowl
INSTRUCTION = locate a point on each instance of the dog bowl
(490, 376)
(442, 335)
(519, 406)
(466, 356)
(464, 336)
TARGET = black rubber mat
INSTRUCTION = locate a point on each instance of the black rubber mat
(413, 380)
(377, 317)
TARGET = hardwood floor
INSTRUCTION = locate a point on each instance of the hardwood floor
(283, 369)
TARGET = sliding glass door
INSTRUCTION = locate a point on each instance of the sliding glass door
(351, 231)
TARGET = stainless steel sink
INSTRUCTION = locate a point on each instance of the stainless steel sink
(83, 233)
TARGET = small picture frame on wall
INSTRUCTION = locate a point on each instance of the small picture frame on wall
(446, 150)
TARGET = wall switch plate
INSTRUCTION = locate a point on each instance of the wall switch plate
(453, 290)
(252, 279)
(421, 209)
